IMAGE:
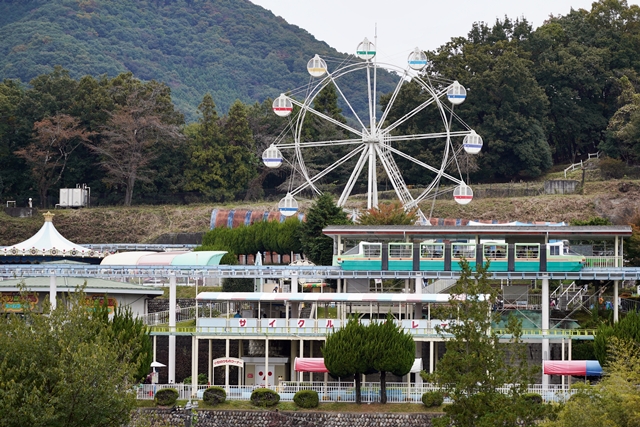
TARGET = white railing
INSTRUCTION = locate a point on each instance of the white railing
(602, 261)
(162, 317)
(580, 164)
(341, 391)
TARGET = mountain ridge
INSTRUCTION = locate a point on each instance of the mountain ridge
(232, 49)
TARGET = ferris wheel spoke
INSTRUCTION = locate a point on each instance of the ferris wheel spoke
(344, 98)
(320, 143)
(436, 135)
(423, 164)
(395, 176)
(415, 111)
(392, 100)
(353, 178)
(325, 117)
(312, 179)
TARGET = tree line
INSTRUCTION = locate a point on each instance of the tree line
(537, 97)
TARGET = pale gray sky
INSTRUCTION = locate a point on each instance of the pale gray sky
(406, 24)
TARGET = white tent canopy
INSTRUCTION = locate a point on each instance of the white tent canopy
(48, 241)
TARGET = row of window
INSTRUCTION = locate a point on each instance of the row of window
(458, 251)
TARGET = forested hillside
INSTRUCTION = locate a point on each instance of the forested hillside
(232, 49)
(539, 98)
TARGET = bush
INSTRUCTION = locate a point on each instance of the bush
(532, 398)
(432, 399)
(166, 397)
(264, 397)
(306, 399)
(612, 168)
(214, 396)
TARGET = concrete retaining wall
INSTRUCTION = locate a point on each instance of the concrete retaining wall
(211, 418)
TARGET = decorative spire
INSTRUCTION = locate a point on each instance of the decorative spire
(48, 217)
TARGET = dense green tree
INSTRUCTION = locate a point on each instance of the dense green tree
(476, 364)
(65, 367)
(13, 135)
(346, 352)
(204, 173)
(240, 161)
(315, 245)
(627, 329)
(132, 335)
(391, 349)
(623, 140)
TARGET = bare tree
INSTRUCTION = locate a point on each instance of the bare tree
(132, 139)
(54, 139)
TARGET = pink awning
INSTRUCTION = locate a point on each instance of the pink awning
(309, 364)
(578, 368)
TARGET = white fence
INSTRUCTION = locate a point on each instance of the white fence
(343, 391)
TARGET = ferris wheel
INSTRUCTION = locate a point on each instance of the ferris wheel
(373, 139)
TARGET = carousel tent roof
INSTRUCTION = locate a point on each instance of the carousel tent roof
(48, 241)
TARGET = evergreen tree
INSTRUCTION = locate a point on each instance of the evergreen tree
(391, 349)
(475, 365)
(346, 352)
(315, 245)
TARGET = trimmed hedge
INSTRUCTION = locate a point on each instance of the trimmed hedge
(432, 399)
(264, 397)
(306, 399)
(166, 397)
(214, 396)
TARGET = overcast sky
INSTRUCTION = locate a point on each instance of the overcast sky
(406, 24)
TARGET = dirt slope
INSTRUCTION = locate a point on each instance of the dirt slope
(616, 200)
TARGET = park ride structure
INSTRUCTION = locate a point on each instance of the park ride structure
(372, 140)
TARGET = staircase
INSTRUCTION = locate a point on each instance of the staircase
(439, 286)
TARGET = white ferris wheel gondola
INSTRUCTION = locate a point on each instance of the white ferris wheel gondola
(288, 206)
(456, 94)
(366, 50)
(282, 106)
(317, 67)
(463, 194)
(417, 59)
(272, 157)
(472, 143)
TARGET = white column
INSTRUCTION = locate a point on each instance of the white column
(226, 367)
(301, 344)
(53, 290)
(615, 284)
(545, 328)
(210, 363)
(194, 366)
(418, 285)
(562, 358)
(294, 282)
(431, 345)
(172, 328)
(266, 362)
